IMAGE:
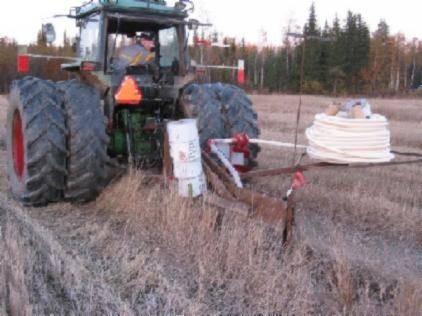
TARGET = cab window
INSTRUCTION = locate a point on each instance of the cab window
(169, 47)
(89, 38)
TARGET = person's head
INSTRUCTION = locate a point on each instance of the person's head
(147, 41)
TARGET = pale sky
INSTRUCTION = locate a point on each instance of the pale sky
(237, 18)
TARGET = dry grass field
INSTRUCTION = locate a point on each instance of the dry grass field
(357, 246)
(3, 113)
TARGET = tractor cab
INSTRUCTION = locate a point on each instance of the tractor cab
(109, 29)
(112, 54)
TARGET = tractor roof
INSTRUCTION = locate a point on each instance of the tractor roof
(150, 7)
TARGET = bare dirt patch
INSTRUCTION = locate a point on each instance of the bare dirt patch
(357, 243)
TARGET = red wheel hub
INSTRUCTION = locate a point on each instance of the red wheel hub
(18, 145)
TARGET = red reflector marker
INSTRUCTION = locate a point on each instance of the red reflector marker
(241, 72)
(298, 181)
(129, 92)
(88, 66)
(23, 63)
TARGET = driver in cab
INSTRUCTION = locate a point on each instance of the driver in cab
(140, 52)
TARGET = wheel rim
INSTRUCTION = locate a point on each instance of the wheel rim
(17, 145)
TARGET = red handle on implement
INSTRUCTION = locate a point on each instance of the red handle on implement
(298, 181)
(241, 141)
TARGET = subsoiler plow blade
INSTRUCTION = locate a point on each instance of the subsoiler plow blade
(261, 207)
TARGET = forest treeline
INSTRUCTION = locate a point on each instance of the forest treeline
(46, 68)
(341, 57)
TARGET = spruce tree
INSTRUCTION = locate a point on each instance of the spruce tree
(312, 68)
(381, 47)
(336, 58)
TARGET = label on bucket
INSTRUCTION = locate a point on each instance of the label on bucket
(184, 152)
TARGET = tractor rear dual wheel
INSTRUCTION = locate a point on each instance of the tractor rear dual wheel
(239, 115)
(222, 110)
(88, 162)
(206, 109)
(36, 142)
(56, 142)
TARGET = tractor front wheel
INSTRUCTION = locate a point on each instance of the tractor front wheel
(36, 142)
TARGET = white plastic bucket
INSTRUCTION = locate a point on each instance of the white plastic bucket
(185, 152)
(192, 187)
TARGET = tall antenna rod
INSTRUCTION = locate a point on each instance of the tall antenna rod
(302, 67)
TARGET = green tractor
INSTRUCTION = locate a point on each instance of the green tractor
(63, 138)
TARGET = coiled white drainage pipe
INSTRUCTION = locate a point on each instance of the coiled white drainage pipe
(341, 140)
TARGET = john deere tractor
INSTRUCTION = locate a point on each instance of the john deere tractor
(62, 137)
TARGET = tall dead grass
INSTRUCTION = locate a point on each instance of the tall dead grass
(225, 264)
(208, 260)
(218, 262)
(356, 249)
